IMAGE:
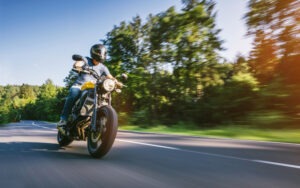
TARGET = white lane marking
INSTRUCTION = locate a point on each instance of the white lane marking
(277, 164)
(18, 126)
(202, 153)
(146, 144)
(212, 154)
(216, 137)
(43, 127)
(184, 150)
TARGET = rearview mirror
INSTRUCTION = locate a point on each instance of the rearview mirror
(77, 57)
(124, 77)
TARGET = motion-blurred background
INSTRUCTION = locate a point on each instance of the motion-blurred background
(178, 76)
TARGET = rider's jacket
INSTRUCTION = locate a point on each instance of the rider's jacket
(101, 69)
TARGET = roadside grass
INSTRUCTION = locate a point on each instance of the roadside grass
(236, 132)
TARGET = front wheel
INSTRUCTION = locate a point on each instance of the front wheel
(101, 140)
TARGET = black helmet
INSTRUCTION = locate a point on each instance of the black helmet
(98, 52)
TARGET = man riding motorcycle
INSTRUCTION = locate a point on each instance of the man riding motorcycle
(98, 56)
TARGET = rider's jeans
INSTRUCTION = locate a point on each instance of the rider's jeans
(74, 94)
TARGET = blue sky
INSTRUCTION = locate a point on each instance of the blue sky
(38, 37)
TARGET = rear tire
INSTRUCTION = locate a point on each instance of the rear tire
(63, 140)
(99, 143)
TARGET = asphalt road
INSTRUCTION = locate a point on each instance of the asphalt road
(30, 157)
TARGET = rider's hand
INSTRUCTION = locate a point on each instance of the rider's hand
(78, 70)
(119, 84)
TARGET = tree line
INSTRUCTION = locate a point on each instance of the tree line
(31, 102)
(176, 73)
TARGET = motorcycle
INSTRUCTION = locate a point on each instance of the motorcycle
(93, 118)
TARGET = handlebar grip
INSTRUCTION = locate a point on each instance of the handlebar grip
(92, 72)
(78, 71)
(85, 71)
(75, 70)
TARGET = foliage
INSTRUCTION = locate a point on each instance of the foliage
(177, 75)
(232, 131)
(275, 57)
(30, 102)
(171, 59)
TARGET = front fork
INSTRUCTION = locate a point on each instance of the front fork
(94, 117)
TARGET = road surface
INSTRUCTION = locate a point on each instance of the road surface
(30, 157)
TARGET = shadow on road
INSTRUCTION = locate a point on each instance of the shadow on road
(38, 149)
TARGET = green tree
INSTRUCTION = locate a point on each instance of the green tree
(279, 19)
(275, 25)
(46, 104)
(70, 79)
(127, 51)
(263, 59)
(170, 59)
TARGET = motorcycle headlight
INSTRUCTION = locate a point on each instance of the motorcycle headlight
(109, 85)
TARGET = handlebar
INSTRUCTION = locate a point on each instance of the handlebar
(92, 72)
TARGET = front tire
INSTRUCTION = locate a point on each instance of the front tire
(63, 140)
(101, 141)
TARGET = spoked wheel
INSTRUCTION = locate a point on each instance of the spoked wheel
(63, 140)
(101, 140)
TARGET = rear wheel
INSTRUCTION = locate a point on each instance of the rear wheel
(63, 140)
(101, 140)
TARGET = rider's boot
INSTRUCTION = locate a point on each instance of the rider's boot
(61, 126)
